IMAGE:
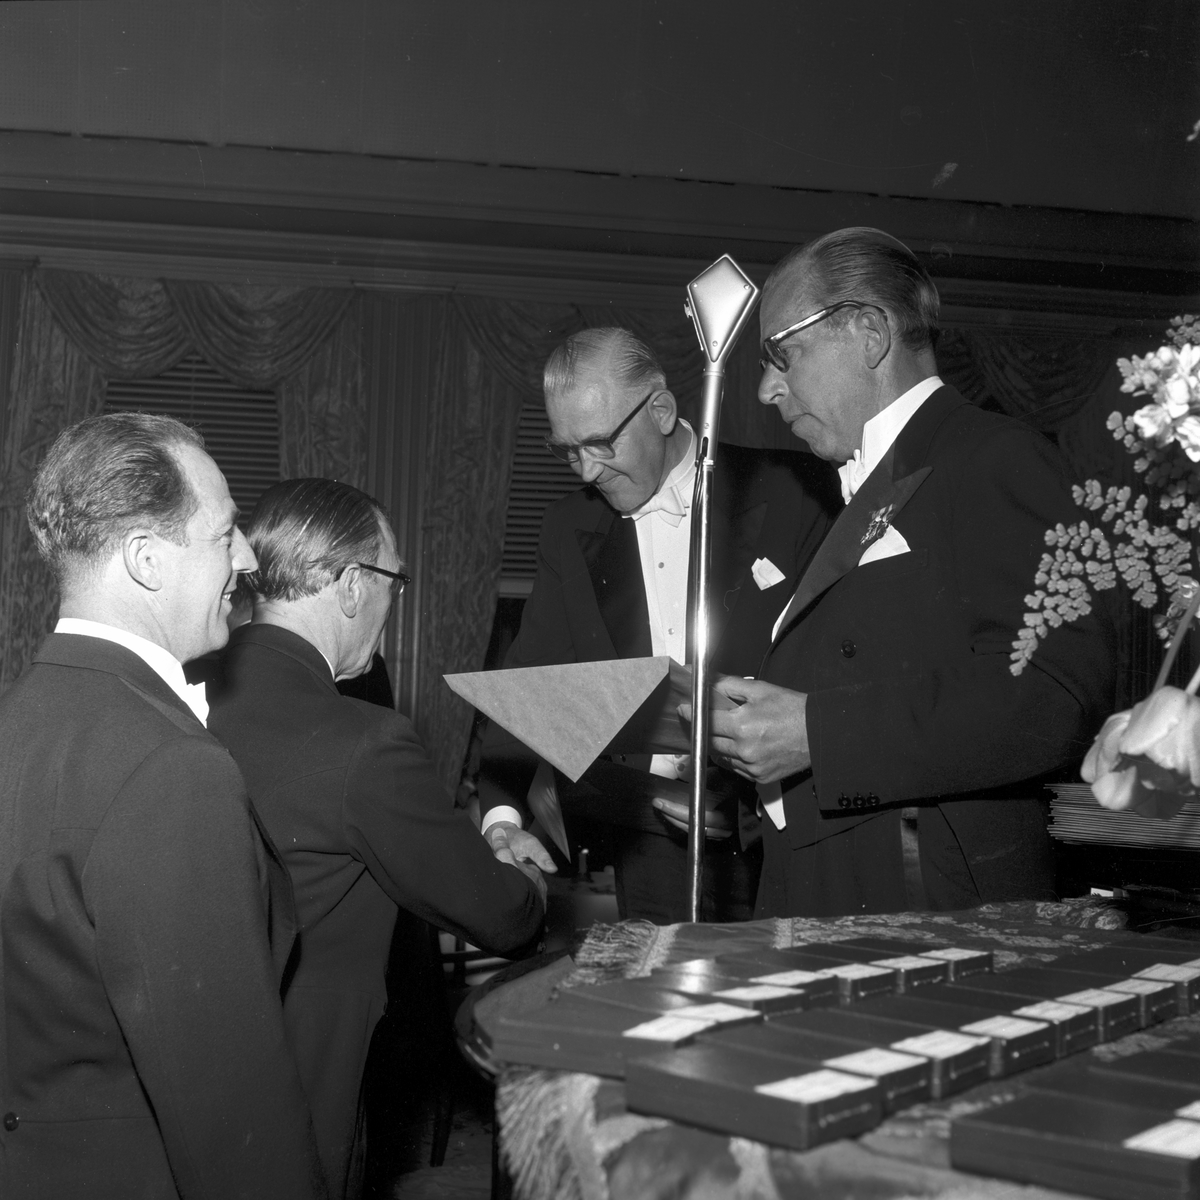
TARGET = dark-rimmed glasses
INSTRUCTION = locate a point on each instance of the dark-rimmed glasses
(598, 447)
(398, 578)
(773, 354)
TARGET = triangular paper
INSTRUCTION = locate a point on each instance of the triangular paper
(566, 713)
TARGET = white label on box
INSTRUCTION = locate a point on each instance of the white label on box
(854, 971)
(788, 978)
(1179, 1139)
(757, 991)
(941, 1043)
(953, 954)
(714, 1014)
(1191, 1111)
(814, 1087)
(1169, 972)
(1095, 997)
(1051, 1010)
(1141, 987)
(1004, 1027)
(669, 1028)
(874, 1062)
(905, 962)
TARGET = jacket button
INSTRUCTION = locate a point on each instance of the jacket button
(849, 649)
(11, 1121)
(843, 802)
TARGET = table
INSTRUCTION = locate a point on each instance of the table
(570, 1135)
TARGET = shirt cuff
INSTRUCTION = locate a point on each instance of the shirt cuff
(501, 812)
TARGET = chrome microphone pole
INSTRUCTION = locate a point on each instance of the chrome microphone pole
(720, 301)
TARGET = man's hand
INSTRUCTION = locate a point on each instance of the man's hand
(765, 738)
(514, 846)
(675, 812)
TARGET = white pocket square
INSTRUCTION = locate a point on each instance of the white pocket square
(766, 573)
(888, 546)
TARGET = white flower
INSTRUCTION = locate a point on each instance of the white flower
(1153, 422)
(1148, 758)
(1187, 433)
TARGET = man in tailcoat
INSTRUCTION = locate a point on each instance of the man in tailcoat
(348, 793)
(612, 582)
(899, 759)
(145, 918)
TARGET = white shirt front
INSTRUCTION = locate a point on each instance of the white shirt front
(878, 435)
(664, 533)
(162, 662)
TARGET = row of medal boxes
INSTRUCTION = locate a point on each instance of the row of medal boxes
(800, 1046)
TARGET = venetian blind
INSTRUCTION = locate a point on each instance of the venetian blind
(240, 425)
(538, 479)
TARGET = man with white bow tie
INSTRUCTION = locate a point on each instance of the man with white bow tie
(612, 583)
(146, 919)
(899, 761)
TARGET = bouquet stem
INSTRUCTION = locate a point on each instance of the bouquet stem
(1185, 624)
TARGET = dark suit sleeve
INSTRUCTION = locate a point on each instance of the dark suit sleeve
(426, 854)
(175, 885)
(507, 766)
(968, 723)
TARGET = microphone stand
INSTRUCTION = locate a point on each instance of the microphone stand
(720, 301)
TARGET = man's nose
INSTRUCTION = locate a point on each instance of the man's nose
(586, 467)
(241, 554)
(772, 387)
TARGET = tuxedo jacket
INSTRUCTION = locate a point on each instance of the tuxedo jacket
(589, 599)
(906, 660)
(145, 924)
(364, 825)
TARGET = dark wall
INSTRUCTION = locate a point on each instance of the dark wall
(1083, 104)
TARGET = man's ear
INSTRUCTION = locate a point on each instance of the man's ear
(141, 555)
(348, 588)
(664, 411)
(878, 335)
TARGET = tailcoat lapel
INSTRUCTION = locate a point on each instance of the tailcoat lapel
(863, 521)
(615, 567)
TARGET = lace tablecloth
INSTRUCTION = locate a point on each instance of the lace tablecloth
(569, 1136)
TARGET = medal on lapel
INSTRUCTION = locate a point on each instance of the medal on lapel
(881, 518)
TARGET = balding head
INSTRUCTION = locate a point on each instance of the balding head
(605, 381)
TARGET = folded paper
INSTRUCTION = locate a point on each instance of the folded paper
(570, 713)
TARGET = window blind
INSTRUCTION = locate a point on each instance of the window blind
(538, 480)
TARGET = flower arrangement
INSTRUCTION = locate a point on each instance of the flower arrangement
(1148, 758)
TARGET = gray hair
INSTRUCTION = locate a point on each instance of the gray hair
(867, 264)
(306, 532)
(105, 476)
(634, 363)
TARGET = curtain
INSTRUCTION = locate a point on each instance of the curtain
(1040, 379)
(54, 384)
(77, 331)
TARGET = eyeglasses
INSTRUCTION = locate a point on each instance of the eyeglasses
(773, 354)
(598, 447)
(398, 578)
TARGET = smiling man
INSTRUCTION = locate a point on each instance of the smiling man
(145, 920)
(348, 793)
(612, 582)
(899, 761)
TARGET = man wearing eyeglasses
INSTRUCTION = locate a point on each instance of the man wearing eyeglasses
(612, 583)
(898, 759)
(347, 793)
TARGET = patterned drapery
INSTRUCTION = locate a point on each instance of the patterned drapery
(76, 331)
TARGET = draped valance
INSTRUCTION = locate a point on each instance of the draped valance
(75, 331)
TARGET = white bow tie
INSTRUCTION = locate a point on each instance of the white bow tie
(196, 698)
(852, 475)
(669, 504)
